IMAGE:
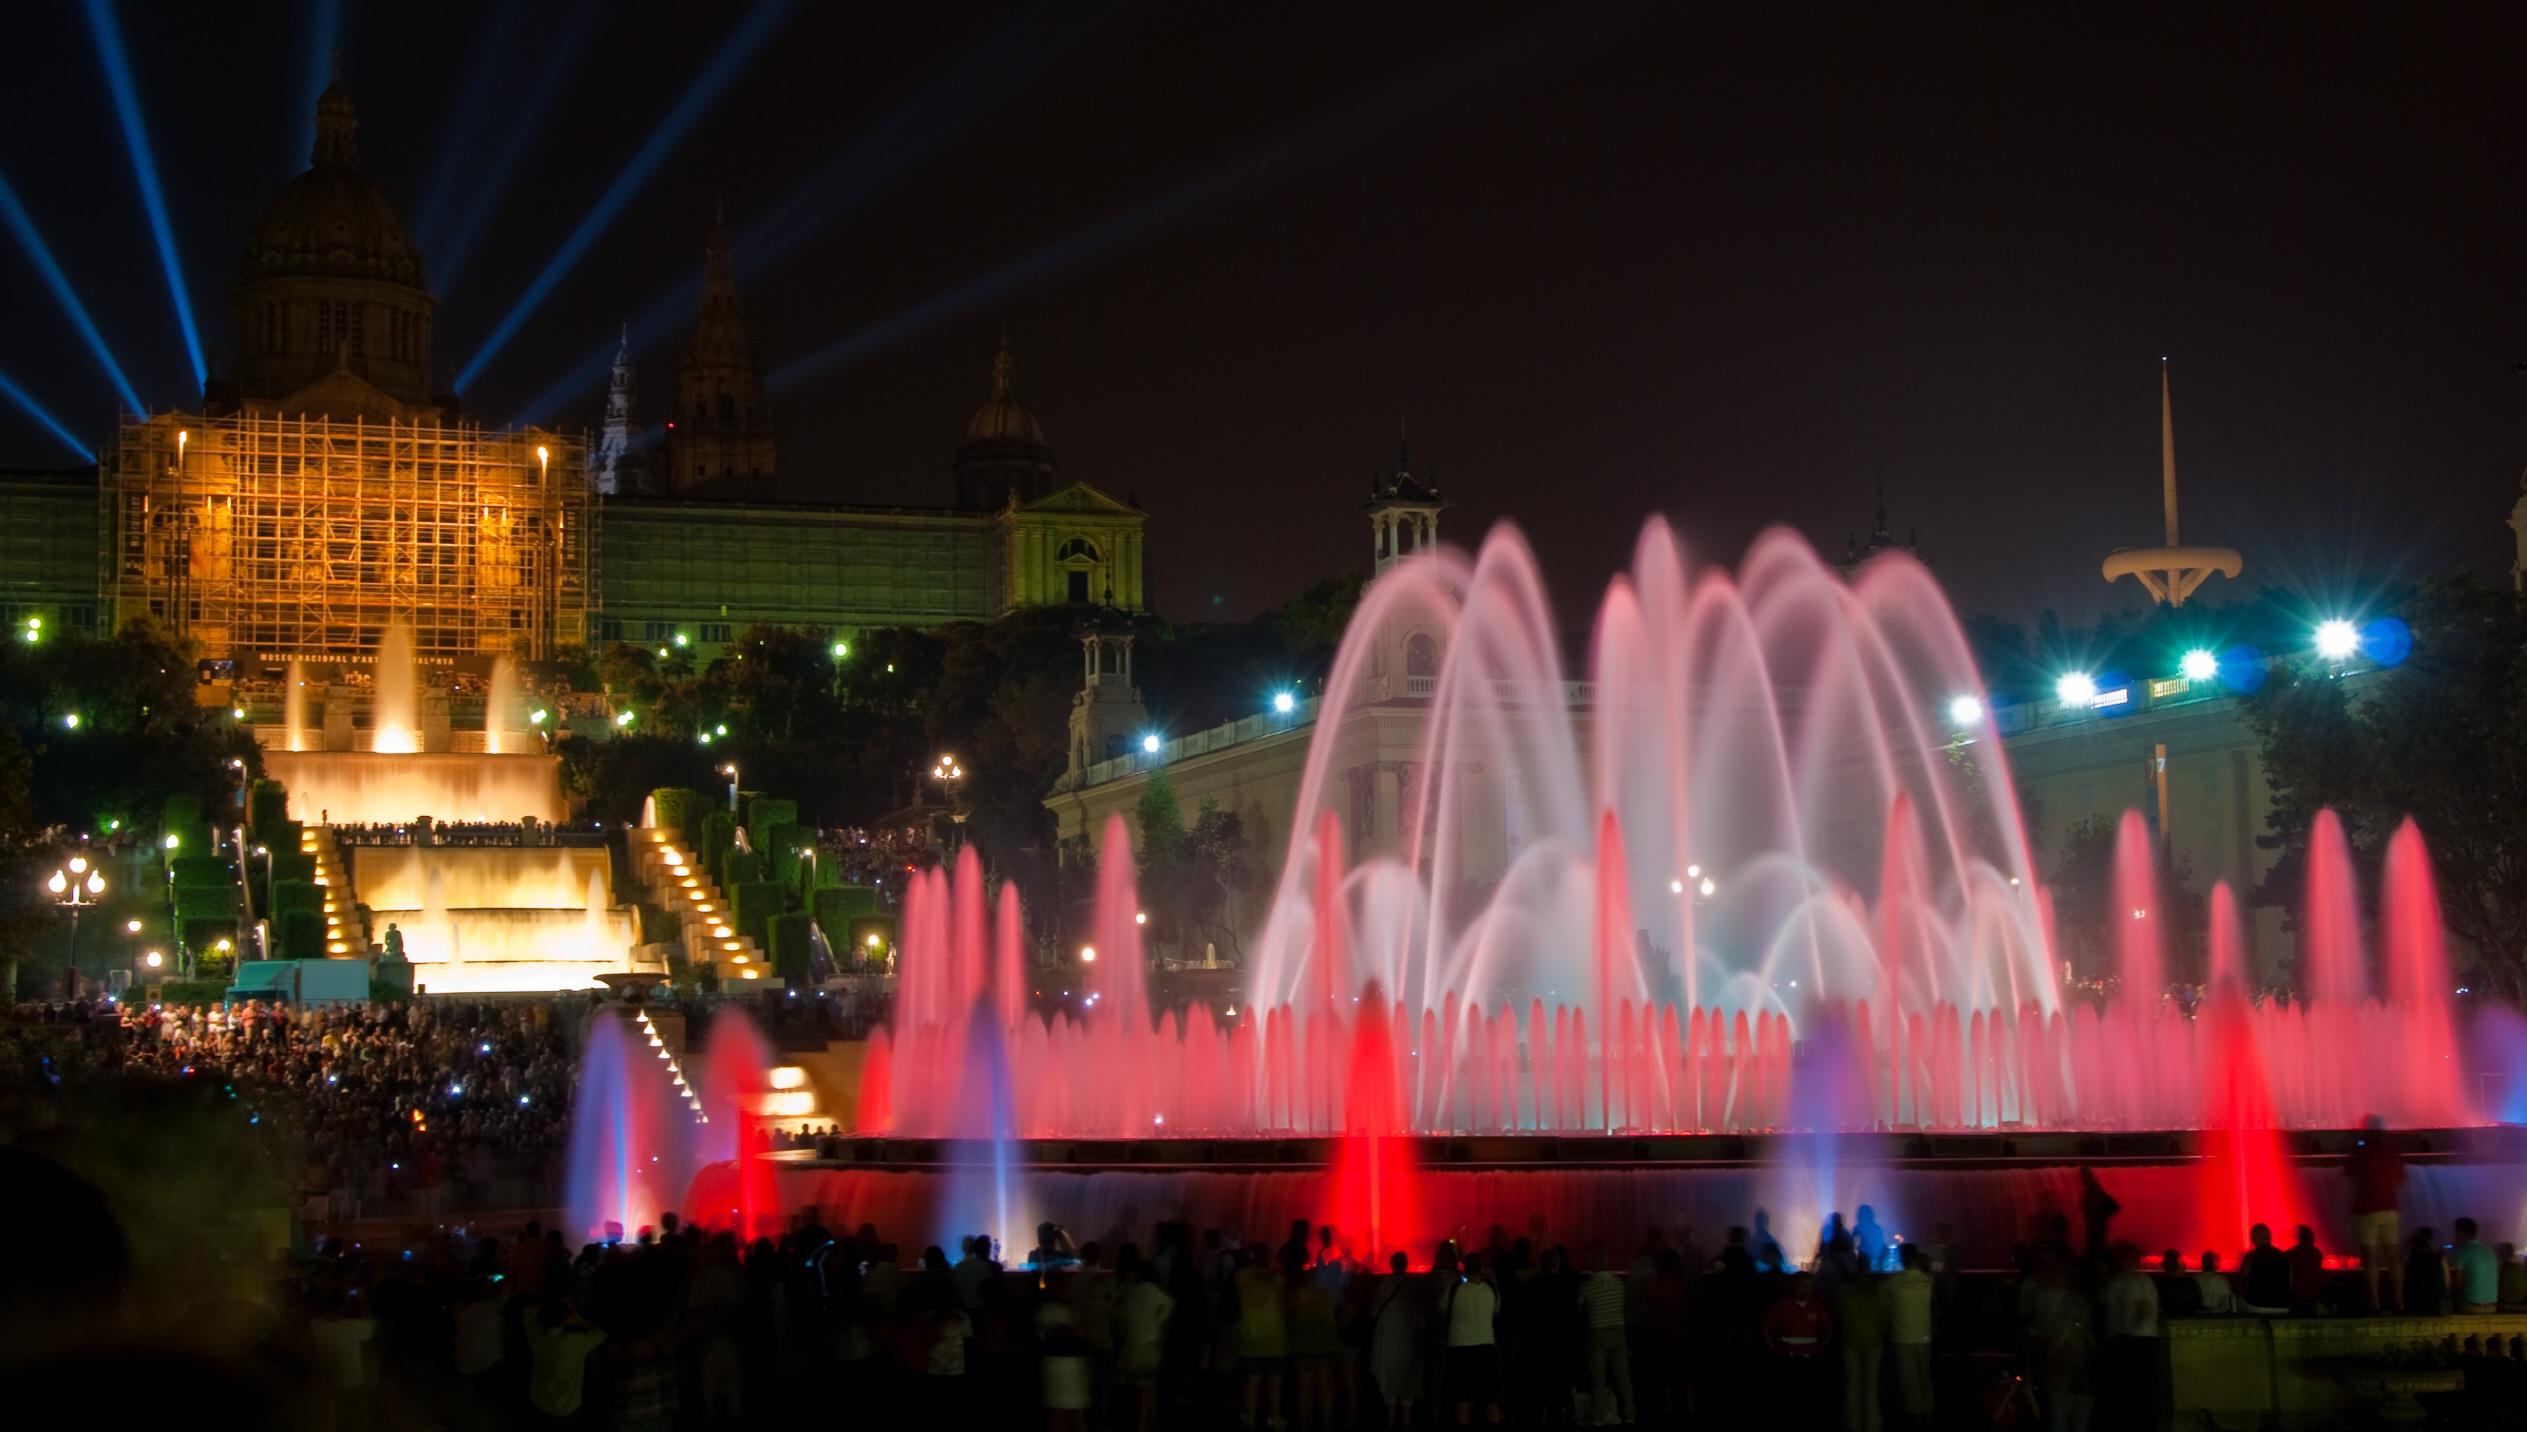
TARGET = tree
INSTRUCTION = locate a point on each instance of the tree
(2440, 738)
(2086, 911)
(1189, 875)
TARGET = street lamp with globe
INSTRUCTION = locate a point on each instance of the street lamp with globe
(75, 886)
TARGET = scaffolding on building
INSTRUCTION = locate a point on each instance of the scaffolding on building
(270, 538)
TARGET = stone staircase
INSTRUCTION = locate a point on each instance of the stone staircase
(346, 929)
(671, 877)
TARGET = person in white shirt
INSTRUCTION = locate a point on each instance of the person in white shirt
(2218, 1298)
(1473, 1313)
(2129, 1382)
(1141, 1315)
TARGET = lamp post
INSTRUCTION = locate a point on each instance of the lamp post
(947, 773)
(730, 770)
(75, 887)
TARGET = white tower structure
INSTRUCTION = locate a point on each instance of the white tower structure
(2173, 572)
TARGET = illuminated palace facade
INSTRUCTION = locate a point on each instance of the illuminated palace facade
(322, 491)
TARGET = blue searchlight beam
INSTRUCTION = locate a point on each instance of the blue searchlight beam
(118, 80)
(35, 410)
(15, 216)
(758, 27)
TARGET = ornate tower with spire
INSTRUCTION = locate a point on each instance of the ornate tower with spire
(1004, 456)
(611, 467)
(1856, 553)
(328, 313)
(722, 427)
(1403, 511)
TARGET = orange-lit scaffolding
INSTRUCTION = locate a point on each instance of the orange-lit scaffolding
(268, 538)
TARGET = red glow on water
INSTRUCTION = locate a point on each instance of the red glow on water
(2244, 1174)
(1376, 1191)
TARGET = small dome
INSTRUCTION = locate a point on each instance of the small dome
(1002, 418)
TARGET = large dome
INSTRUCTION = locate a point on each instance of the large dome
(330, 221)
(330, 284)
(1002, 418)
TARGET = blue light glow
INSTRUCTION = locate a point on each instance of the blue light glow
(324, 24)
(118, 79)
(33, 409)
(2242, 669)
(758, 27)
(995, 72)
(2386, 641)
(483, 185)
(15, 216)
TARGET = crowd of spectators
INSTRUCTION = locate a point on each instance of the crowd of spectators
(374, 1107)
(1161, 1326)
(470, 832)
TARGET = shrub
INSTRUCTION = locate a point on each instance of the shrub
(754, 903)
(302, 935)
(792, 951)
(766, 814)
(781, 852)
(267, 810)
(679, 808)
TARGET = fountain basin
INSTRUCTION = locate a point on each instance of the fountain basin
(1991, 1189)
(390, 788)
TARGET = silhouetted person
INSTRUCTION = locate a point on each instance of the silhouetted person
(2376, 1172)
(2264, 1273)
(2425, 1276)
(2307, 1271)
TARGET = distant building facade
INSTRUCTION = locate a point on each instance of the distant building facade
(321, 490)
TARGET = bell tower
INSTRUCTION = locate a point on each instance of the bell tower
(1107, 716)
(722, 426)
(1403, 513)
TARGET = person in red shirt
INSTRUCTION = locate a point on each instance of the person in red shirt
(2376, 1171)
(1797, 1325)
(1795, 1329)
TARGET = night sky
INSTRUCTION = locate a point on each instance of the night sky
(1710, 263)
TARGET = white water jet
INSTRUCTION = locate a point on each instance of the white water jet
(294, 707)
(395, 714)
(504, 716)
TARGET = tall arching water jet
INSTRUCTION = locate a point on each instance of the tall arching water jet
(629, 1151)
(2419, 989)
(1009, 957)
(504, 710)
(733, 1139)
(1376, 1193)
(2244, 1174)
(2139, 944)
(294, 731)
(1622, 902)
(395, 711)
(2329, 933)
(983, 1191)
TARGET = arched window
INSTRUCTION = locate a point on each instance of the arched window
(727, 408)
(1078, 549)
(1421, 655)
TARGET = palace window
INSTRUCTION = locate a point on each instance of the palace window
(1421, 655)
(338, 325)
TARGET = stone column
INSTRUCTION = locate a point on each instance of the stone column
(338, 733)
(437, 726)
